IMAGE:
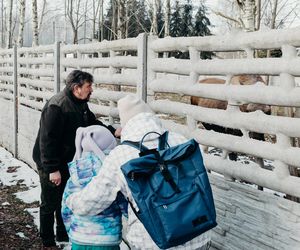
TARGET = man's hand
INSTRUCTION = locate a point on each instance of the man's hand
(118, 132)
(55, 178)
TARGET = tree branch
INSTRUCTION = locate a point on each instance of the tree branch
(226, 17)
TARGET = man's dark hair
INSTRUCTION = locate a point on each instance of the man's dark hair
(78, 77)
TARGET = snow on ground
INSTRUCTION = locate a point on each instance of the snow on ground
(21, 235)
(12, 171)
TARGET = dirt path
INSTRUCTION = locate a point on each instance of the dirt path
(17, 229)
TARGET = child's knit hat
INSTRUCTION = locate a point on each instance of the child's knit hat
(129, 106)
(94, 139)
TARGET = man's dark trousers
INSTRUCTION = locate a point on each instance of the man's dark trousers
(51, 197)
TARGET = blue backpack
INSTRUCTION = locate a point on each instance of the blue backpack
(172, 191)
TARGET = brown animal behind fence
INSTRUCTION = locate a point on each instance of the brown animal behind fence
(218, 104)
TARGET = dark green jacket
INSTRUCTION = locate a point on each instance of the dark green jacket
(55, 142)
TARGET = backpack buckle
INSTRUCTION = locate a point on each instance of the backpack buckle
(132, 176)
(165, 172)
(168, 177)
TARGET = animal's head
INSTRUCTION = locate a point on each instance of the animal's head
(235, 80)
(246, 79)
(250, 80)
(254, 107)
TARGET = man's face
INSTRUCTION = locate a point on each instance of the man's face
(84, 92)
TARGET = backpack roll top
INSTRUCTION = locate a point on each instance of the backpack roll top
(171, 189)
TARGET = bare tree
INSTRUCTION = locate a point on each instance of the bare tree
(95, 10)
(35, 31)
(154, 26)
(21, 23)
(273, 22)
(127, 17)
(253, 13)
(2, 24)
(121, 27)
(100, 22)
(167, 17)
(257, 14)
(274, 14)
(85, 21)
(113, 30)
(247, 13)
(42, 15)
(277, 14)
(74, 16)
(9, 24)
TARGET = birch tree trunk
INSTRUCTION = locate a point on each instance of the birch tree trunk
(167, 18)
(121, 19)
(247, 13)
(35, 31)
(114, 20)
(2, 25)
(274, 14)
(9, 24)
(257, 14)
(95, 15)
(100, 23)
(42, 16)
(22, 23)
(127, 18)
(273, 20)
(95, 12)
(65, 23)
(154, 29)
(85, 21)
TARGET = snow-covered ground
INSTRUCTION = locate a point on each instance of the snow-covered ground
(13, 171)
(22, 172)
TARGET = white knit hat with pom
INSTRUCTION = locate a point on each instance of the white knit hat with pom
(129, 106)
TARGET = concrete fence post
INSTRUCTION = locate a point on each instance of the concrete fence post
(151, 75)
(57, 70)
(117, 87)
(142, 66)
(15, 99)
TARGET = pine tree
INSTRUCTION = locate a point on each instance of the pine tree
(187, 24)
(176, 21)
(201, 28)
(139, 21)
(202, 22)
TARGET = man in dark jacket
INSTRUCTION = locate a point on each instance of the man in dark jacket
(55, 147)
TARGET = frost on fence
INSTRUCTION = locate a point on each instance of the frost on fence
(239, 54)
(6, 74)
(173, 68)
(113, 64)
(35, 75)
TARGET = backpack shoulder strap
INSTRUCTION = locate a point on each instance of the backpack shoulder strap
(163, 141)
(135, 145)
